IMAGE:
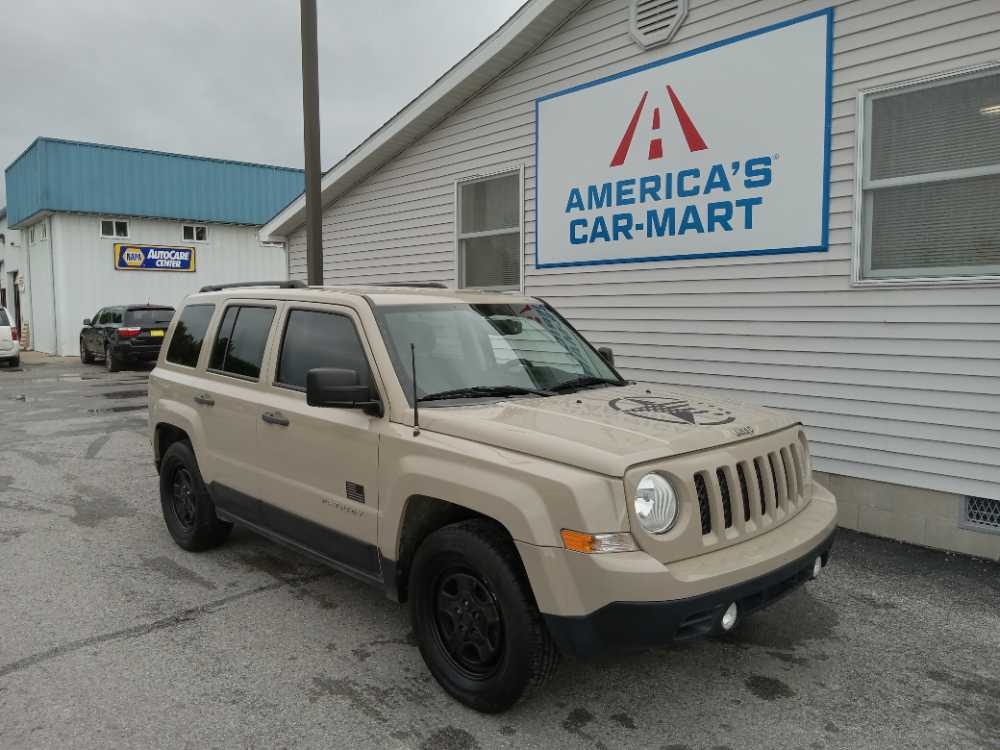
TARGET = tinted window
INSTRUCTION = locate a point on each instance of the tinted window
(105, 317)
(3, 318)
(185, 346)
(158, 316)
(319, 339)
(116, 316)
(239, 347)
(222, 338)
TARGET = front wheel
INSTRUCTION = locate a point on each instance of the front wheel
(85, 356)
(188, 509)
(475, 619)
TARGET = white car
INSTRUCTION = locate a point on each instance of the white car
(10, 347)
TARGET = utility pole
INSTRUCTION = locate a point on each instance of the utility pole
(310, 130)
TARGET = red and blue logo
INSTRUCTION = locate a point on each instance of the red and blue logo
(691, 134)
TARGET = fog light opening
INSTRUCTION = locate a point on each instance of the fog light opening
(817, 567)
(729, 617)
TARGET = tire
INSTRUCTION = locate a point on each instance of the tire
(111, 361)
(85, 356)
(16, 362)
(475, 618)
(188, 511)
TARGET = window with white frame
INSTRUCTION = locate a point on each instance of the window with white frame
(43, 229)
(31, 235)
(930, 179)
(489, 232)
(195, 232)
(114, 228)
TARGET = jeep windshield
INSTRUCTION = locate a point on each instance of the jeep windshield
(470, 351)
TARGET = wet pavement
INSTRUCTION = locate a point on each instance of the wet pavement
(111, 636)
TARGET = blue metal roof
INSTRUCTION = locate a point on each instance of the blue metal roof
(58, 175)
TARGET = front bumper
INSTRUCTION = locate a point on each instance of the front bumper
(628, 625)
(624, 599)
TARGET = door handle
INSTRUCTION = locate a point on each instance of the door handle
(273, 417)
(204, 399)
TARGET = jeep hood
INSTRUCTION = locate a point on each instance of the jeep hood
(608, 429)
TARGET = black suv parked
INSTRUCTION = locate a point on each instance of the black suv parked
(126, 333)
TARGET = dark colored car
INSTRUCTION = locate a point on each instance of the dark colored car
(123, 334)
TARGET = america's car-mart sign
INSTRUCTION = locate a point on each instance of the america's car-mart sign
(719, 151)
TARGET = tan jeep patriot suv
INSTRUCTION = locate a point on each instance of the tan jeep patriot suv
(472, 454)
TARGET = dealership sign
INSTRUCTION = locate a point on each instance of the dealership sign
(153, 258)
(721, 151)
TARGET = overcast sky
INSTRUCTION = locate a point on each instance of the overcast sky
(221, 77)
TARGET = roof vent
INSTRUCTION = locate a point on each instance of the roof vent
(981, 514)
(653, 22)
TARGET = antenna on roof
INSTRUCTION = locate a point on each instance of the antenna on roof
(416, 401)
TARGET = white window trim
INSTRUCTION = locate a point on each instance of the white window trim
(459, 235)
(103, 236)
(195, 228)
(862, 184)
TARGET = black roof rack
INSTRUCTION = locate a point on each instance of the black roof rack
(413, 284)
(292, 284)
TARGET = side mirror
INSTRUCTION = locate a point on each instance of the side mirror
(334, 387)
(606, 354)
(86, 322)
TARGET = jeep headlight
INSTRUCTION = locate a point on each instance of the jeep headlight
(655, 504)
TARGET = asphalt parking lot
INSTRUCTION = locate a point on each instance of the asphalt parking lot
(111, 636)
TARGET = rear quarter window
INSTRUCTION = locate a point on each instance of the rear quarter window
(185, 345)
(4, 321)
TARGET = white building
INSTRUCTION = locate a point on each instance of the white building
(791, 202)
(13, 259)
(104, 225)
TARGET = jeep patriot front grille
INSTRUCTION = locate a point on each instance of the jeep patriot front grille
(765, 487)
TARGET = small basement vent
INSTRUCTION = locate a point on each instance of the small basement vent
(981, 514)
(653, 22)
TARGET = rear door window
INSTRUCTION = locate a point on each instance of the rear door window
(154, 317)
(319, 339)
(241, 340)
(185, 346)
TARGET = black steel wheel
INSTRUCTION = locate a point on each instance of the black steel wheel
(188, 509)
(476, 621)
(468, 622)
(182, 496)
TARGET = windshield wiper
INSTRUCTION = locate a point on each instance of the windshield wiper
(477, 391)
(583, 382)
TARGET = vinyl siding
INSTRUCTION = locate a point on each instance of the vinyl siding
(900, 385)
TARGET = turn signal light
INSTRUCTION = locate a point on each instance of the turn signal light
(127, 333)
(580, 541)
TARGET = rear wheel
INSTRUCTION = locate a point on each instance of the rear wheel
(188, 509)
(475, 618)
(112, 362)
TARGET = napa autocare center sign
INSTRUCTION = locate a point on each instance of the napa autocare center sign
(153, 258)
(721, 151)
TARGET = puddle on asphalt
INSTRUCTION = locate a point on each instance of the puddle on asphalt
(116, 409)
(119, 394)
